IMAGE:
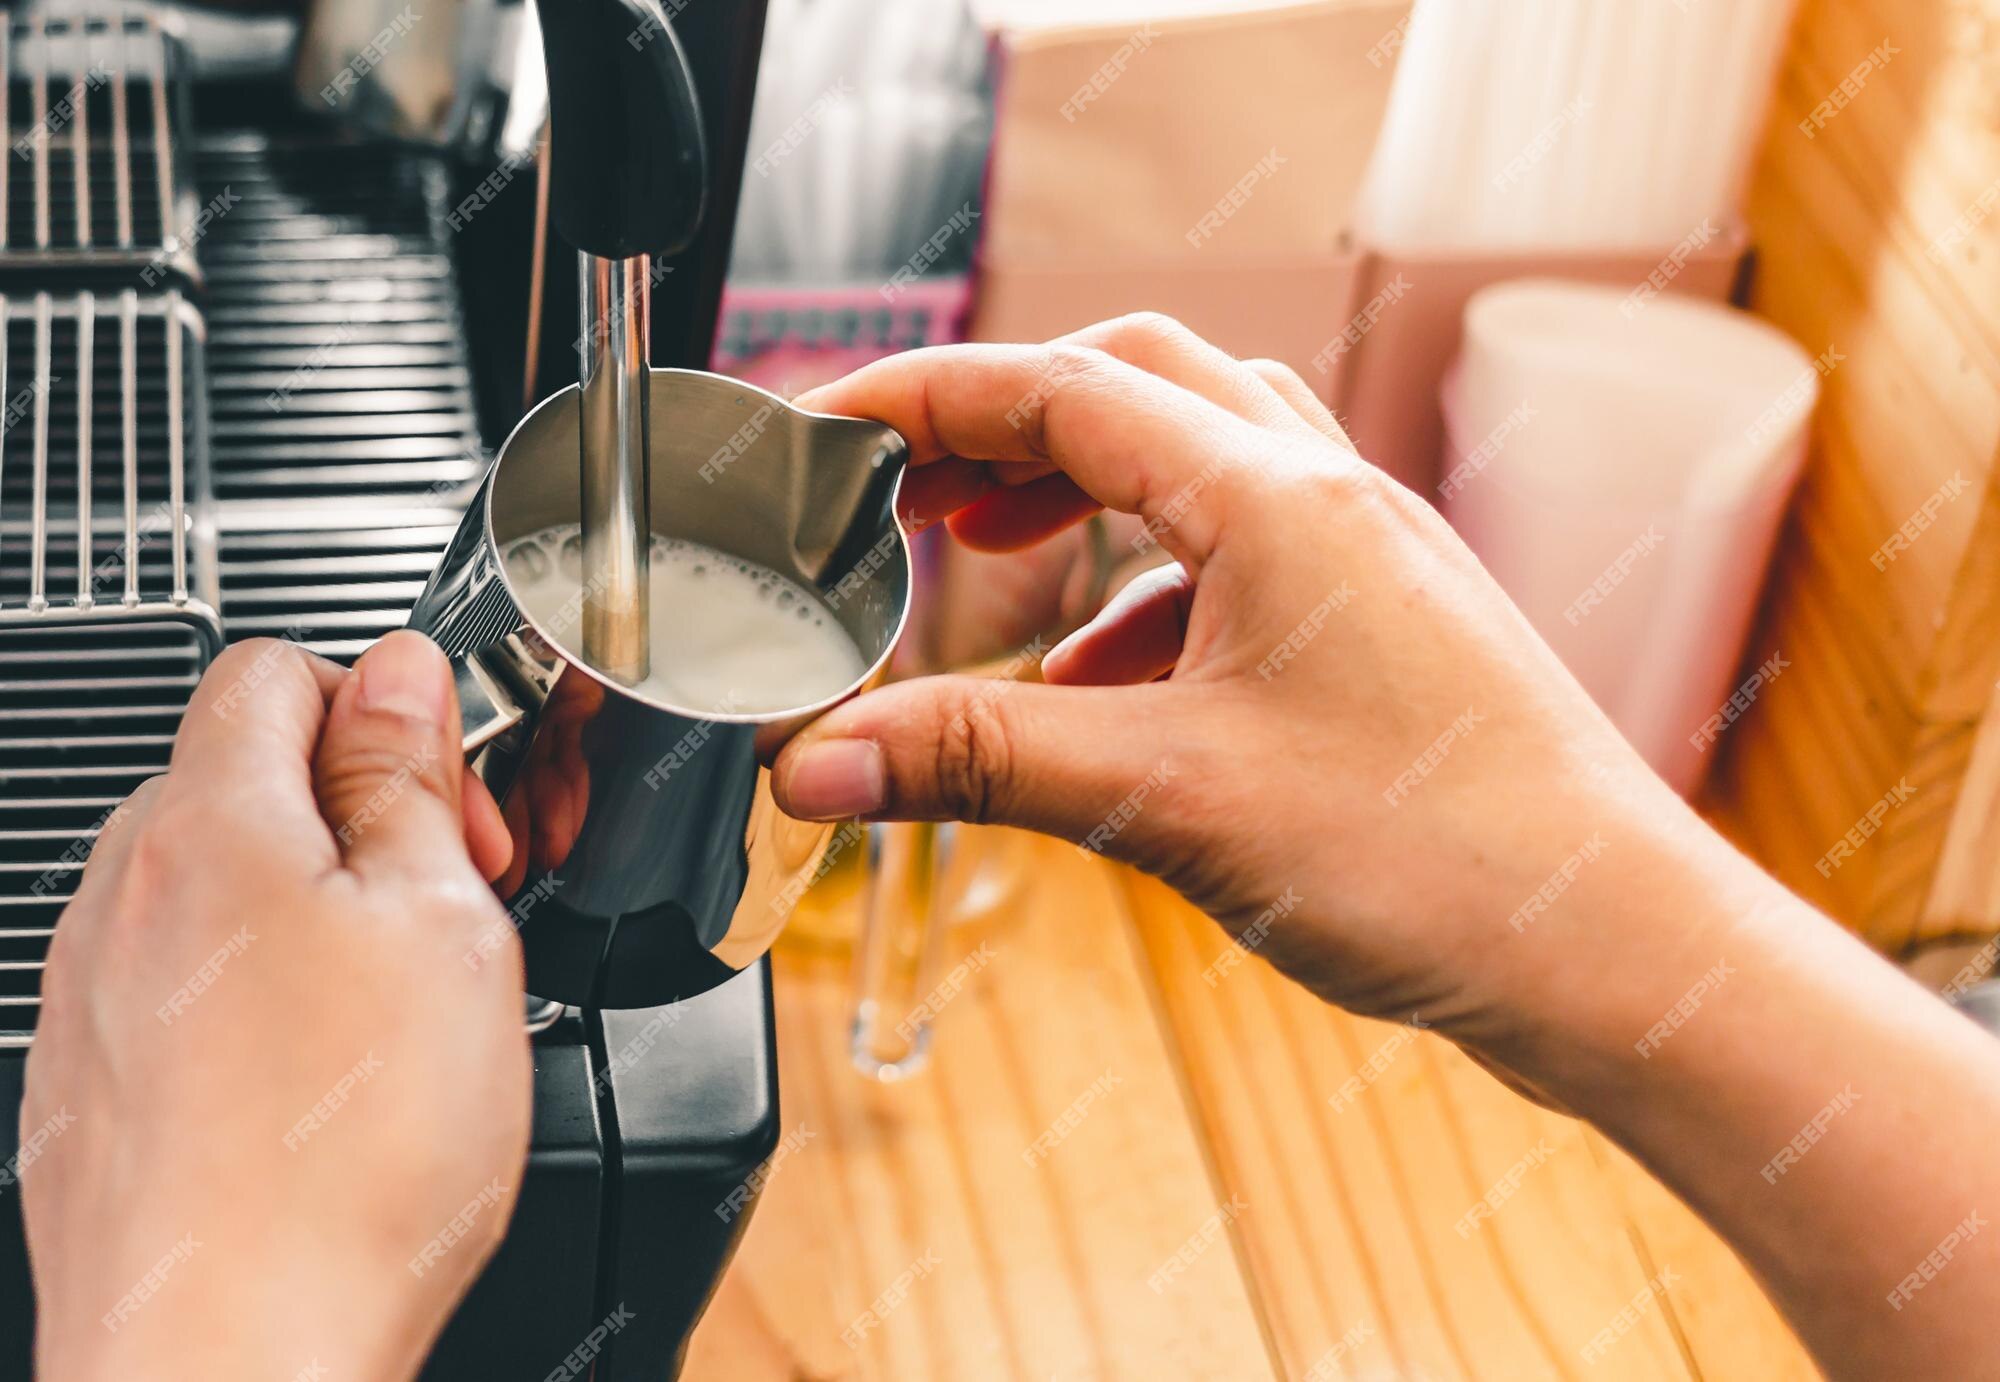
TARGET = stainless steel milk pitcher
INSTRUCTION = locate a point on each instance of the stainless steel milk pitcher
(650, 862)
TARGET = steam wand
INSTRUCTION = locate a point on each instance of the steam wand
(629, 180)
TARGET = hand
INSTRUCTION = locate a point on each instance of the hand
(1365, 764)
(282, 1018)
(1355, 727)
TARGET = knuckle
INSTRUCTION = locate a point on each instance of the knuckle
(975, 758)
(257, 667)
(1070, 363)
(1278, 373)
(1152, 329)
(379, 769)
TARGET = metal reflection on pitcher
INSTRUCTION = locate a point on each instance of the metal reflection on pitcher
(781, 585)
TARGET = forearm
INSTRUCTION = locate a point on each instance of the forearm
(1836, 1124)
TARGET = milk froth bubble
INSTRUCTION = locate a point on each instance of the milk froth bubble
(728, 636)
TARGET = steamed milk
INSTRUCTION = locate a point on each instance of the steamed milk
(729, 636)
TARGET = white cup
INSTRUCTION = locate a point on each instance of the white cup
(1621, 465)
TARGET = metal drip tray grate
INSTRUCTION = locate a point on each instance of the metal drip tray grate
(335, 587)
(89, 114)
(337, 348)
(103, 496)
(288, 462)
(86, 714)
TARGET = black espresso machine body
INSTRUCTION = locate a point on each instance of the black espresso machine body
(355, 320)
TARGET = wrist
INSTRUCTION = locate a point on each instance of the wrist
(1655, 917)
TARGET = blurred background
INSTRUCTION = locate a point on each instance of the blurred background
(1685, 313)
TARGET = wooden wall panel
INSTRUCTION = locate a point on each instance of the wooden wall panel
(1893, 669)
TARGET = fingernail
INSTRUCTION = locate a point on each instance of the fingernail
(400, 676)
(835, 779)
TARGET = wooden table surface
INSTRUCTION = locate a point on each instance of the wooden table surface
(1233, 1181)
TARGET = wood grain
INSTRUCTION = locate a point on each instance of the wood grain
(1354, 1149)
(1377, 1185)
(1041, 1270)
(1858, 229)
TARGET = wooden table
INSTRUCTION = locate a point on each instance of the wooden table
(1204, 1201)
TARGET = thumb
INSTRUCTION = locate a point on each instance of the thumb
(389, 762)
(1085, 763)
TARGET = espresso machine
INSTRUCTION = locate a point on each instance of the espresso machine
(273, 290)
